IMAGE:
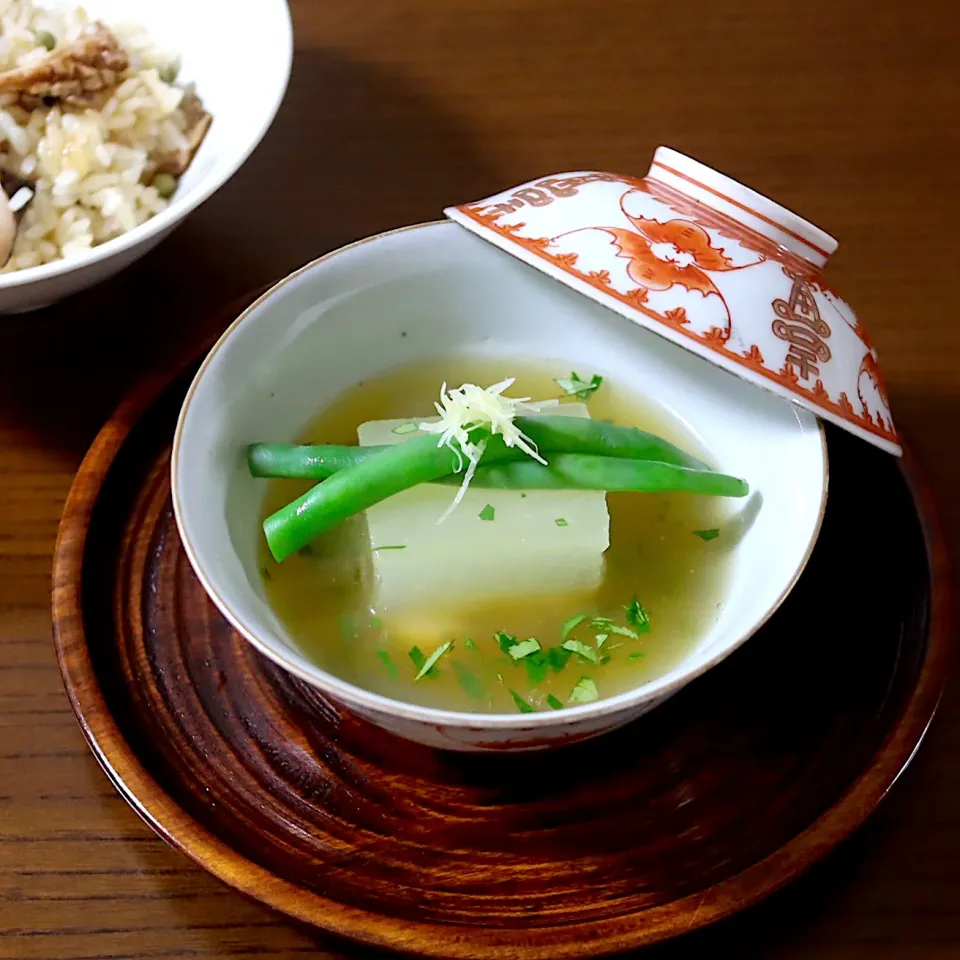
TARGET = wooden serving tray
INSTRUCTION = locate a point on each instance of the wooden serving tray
(710, 803)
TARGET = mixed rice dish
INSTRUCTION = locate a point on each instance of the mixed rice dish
(95, 131)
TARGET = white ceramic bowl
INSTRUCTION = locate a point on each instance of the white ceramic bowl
(241, 65)
(339, 320)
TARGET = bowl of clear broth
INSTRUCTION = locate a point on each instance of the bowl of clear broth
(478, 509)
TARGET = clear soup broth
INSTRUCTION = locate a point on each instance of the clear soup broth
(666, 551)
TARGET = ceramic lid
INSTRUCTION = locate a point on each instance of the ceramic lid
(709, 264)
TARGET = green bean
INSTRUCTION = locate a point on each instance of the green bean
(552, 434)
(401, 466)
(324, 460)
(583, 454)
(576, 471)
(515, 470)
(306, 462)
(558, 434)
(389, 471)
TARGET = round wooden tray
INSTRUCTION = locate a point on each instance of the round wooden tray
(710, 803)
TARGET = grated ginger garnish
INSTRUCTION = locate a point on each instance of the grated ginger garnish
(470, 407)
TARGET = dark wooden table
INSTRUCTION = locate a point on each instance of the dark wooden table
(845, 111)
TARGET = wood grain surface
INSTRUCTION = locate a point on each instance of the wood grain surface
(687, 816)
(844, 111)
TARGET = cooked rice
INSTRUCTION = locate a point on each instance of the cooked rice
(87, 164)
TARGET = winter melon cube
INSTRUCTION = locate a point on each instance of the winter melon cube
(496, 543)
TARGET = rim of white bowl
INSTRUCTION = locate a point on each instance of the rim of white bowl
(350, 693)
(181, 206)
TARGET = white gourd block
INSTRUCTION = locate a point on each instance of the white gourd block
(522, 552)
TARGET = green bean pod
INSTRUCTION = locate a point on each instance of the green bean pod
(582, 454)
(552, 434)
(305, 462)
(514, 471)
(559, 434)
(391, 470)
(575, 471)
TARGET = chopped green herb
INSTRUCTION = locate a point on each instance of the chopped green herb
(523, 496)
(557, 657)
(45, 39)
(554, 702)
(581, 649)
(387, 661)
(487, 513)
(538, 666)
(522, 704)
(601, 639)
(638, 655)
(505, 640)
(570, 625)
(401, 546)
(524, 648)
(376, 623)
(707, 534)
(606, 625)
(637, 616)
(267, 575)
(432, 659)
(405, 428)
(581, 389)
(606, 659)
(468, 680)
(416, 655)
(560, 522)
(306, 550)
(470, 645)
(584, 692)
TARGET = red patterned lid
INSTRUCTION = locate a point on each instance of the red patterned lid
(709, 264)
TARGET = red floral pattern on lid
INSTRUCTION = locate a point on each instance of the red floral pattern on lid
(704, 280)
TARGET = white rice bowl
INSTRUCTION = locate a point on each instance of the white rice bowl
(93, 211)
(87, 163)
